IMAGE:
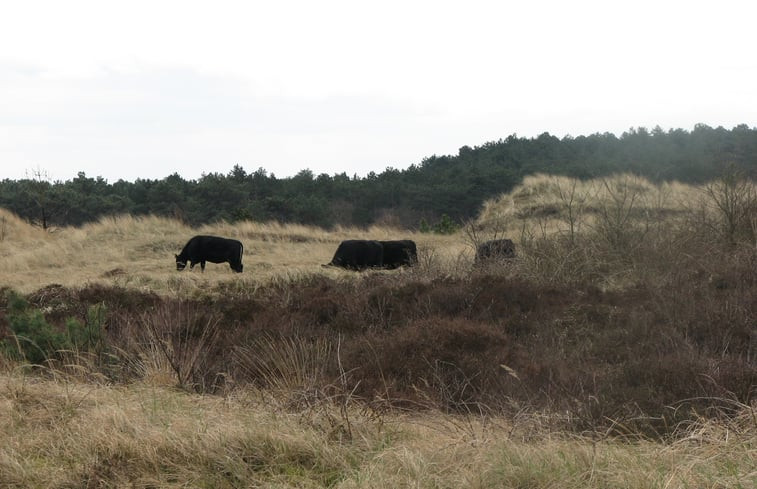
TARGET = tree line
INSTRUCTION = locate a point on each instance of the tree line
(450, 187)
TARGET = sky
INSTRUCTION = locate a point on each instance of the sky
(145, 89)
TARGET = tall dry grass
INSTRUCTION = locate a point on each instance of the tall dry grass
(63, 433)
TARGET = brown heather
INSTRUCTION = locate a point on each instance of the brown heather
(617, 350)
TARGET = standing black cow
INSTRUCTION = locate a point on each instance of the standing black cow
(213, 249)
(358, 254)
(495, 249)
(399, 253)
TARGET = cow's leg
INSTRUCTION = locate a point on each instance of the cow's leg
(191, 265)
(202, 265)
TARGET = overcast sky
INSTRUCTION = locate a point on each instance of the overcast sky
(143, 89)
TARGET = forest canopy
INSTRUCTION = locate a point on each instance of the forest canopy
(439, 187)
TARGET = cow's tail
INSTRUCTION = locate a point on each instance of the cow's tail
(241, 252)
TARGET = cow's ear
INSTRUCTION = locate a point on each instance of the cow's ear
(177, 256)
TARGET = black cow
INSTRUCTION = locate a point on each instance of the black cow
(213, 249)
(358, 254)
(399, 253)
(495, 249)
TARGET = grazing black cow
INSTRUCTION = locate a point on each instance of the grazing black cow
(213, 249)
(495, 249)
(358, 254)
(399, 253)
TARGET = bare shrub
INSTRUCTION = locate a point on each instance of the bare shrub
(616, 224)
(734, 199)
(574, 200)
(559, 259)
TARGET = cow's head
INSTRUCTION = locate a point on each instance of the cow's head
(180, 264)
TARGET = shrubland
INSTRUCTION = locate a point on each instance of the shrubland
(621, 340)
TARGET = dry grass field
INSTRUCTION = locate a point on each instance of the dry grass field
(139, 252)
(617, 351)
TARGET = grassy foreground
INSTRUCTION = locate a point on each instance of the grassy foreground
(60, 432)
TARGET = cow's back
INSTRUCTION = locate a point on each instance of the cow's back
(495, 249)
(358, 254)
(211, 247)
(399, 253)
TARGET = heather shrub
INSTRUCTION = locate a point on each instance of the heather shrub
(437, 362)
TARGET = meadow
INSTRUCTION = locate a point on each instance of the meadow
(617, 350)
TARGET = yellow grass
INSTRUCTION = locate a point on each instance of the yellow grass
(63, 433)
(139, 252)
(12, 225)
